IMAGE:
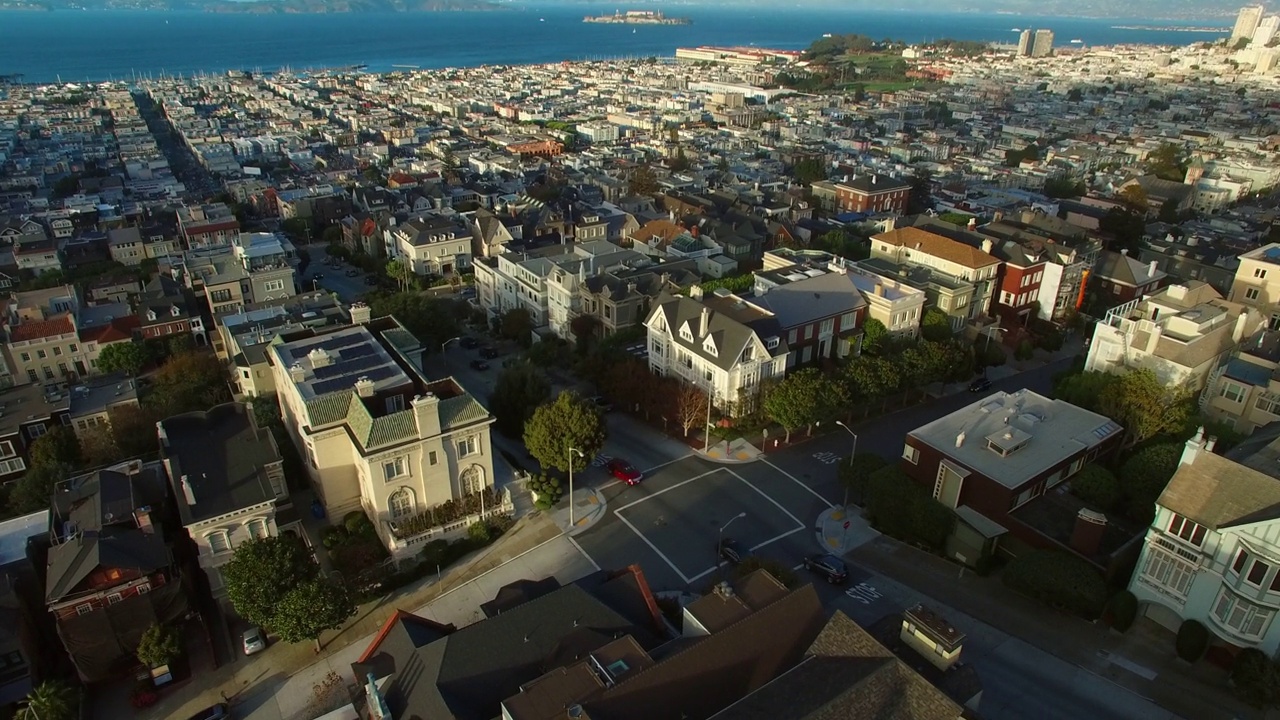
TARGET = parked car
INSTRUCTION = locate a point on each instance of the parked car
(317, 276)
(353, 273)
(370, 279)
(980, 384)
(479, 365)
(828, 566)
(625, 471)
(213, 712)
(730, 551)
(488, 353)
(469, 343)
(602, 403)
(254, 641)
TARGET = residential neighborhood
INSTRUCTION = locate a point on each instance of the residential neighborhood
(712, 386)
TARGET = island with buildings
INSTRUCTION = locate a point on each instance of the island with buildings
(637, 17)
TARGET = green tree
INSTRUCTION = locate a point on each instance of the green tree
(34, 491)
(126, 357)
(50, 700)
(517, 326)
(809, 170)
(1144, 406)
(643, 181)
(1058, 578)
(518, 392)
(160, 645)
(332, 235)
(680, 162)
(1168, 162)
(397, 270)
(431, 320)
(298, 229)
(875, 337)
(935, 326)
(870, 377)
(1255, 678)
(857, 471)
(261, 574)
(1144, 476)
(1126, 226)
(189, 381)
(569, 421)
(1064, 187)
(1169, 212)
(58, 446)
(1084, 389)
(1135, 198)
(1098, 486)
(803, 398)
(897, 506)
(310, 608)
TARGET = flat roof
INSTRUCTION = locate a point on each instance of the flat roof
(101, 393)
(1013, 437)
(31, 403)
(333, 362)
(222, 454)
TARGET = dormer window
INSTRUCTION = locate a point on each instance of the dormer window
(151, 315)
(174, 311)
(772, 343)
(686, 334)
(709, 347)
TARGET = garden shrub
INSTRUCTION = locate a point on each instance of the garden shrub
(1192, 641)
(1255, 678)
(1058, 578)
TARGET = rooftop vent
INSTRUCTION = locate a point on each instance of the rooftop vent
(319, 358)
(364, 387)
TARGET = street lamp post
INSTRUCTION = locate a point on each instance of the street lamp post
(987, 346)
(852, 451)
(720, 532)
(571, 453)
(443, 355)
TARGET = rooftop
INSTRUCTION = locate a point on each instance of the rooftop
(1267, 253)
(335, 361)
(1012, 437)
(218, 461)
(24, 404)
(99, 394)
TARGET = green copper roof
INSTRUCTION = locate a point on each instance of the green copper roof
(393, 428)
(460, 410)
(328, 409)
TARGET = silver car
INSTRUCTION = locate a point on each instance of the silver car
(254, 641)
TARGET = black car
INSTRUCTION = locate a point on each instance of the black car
(370, 279)
(488, 353)
(828, 566)
(469, 343)
(352, 273)
(317, 276)
(730, 551)
(602, 403)
(980, 384)
(479, 365)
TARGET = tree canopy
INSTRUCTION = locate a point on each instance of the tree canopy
(310, 608)
(517, 326)
(643, 181)
(431, 320)
(803, 398)
(125, 357)
(160, 645)
(935, 326)
(50, 700)
(569, 421)
(262, 572)
(517, 393)
(1144, 406)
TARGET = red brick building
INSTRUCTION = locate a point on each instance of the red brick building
(991, 461)
(872, 194)
(1121, 278)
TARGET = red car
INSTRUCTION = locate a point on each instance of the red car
(624, 471)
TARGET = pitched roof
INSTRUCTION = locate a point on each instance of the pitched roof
(730, 335)
(224, 458)
(937, 246)
(873, 183)
(804, 301)
(57, 325)
(1120, 268)
(846, 673)
(117, 330)
(1219, 493)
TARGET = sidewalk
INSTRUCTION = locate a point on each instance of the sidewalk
(840, 530)
(1141, 661)
(245, 678)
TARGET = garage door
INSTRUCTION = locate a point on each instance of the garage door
(1163, 616)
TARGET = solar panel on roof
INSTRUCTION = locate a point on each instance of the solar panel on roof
(348, 367)
(357, 351)
(382, 373)
(327, 386)
(329, 344)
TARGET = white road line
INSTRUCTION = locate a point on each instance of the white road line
(609, 484)
(797, 481)
(799, 566)
(667, 489)
(594, 564)
(646, 541)
(767, 497)
(776, 539)
(646, 471)
(705, 573)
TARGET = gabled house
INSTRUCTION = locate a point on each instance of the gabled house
(110, 574)
(958, 279)
(821, 314)
(489, 234)
(431, 246)
(1211, 552)
(727, 351)
(227, 478)
(1120, 278)
(163, 311)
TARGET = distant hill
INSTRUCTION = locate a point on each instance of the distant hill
(266, 7)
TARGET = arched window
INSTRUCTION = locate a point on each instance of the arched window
(258, 529)
(472, 479)
(400, 504)
(219, 541)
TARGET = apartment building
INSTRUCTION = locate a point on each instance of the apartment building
(1120, 278)
(431, 246)
(957, 279)
(163, 312)
(92, 402)
(1257, 283)
(727, 351)
(376, 435)
(227, 479)
(615, 299)
(1181, 333)
(254, 267)
(1244, 390)
(205, 226)
(889, 300)
(1048, 262)
(872, 194)
(26, 413)
(821, 314)
(992, 459)
(1210, 553)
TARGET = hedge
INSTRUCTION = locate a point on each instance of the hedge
(1060, 579)
(1255, 678)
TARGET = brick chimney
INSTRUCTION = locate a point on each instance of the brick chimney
(704, 322)
(426, 415)
(360, 313)
(1086, 537)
